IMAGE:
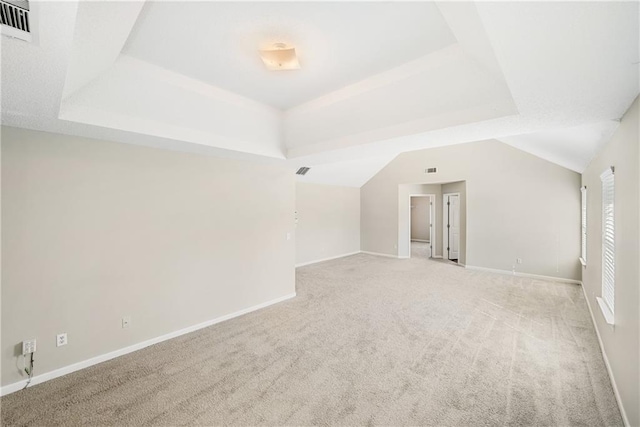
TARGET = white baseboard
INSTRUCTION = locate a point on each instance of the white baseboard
(625, 420)
(326, 259)
(10, 388)
(420, 240)
(379, 254)
(519, 274)
(436, 256)
(403, 257)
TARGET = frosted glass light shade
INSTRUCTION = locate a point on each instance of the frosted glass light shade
(280, 58)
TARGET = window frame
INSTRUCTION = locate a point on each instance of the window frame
(607, 299)
(583, 225)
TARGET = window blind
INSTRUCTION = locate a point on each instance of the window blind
(608, 239)
(583, 253)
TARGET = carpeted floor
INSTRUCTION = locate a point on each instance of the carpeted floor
(368, 340)
(420, 250)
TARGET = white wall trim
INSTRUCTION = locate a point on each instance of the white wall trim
(519, 274)
(302, 264)
(606, 311)
(379, 254)
(432, 227)
(625, 420)
(420, 240)
(10, 388)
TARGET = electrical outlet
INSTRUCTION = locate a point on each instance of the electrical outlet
(288, 236)
(28, 346)
(61, 339)
(519, 260)
(126, 322)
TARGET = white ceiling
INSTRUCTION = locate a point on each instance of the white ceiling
(337, 43)
(350, 173)
(377, 79)
(572, 147)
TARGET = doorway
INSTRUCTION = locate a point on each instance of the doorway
(435, 190)
(421, 225)
(451, 226)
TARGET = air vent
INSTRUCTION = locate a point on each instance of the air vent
(303, 171)
(431, 170)
(14, 16)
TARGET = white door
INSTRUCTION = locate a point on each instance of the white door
(431, 233)
(452, 225)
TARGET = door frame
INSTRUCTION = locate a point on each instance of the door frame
(445, 232)
(432, 222)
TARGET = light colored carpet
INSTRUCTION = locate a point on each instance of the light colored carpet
(368, 340)
(420, 250)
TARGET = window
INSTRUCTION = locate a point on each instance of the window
(608, 246)
(583, 252)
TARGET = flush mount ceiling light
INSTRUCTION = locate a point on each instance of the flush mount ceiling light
(280, 57)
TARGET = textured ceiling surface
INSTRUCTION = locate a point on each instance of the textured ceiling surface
(337, 43)
(377, 78)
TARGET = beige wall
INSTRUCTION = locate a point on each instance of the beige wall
(460, 187)
(328, 221)
(622, 342)
(518, 206)
(420, 218)
(93, 231)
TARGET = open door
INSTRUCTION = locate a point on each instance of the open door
(421, 232)
(432, 235)
(451, 215)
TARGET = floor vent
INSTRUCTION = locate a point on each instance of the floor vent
(303, 171)
(14, 16)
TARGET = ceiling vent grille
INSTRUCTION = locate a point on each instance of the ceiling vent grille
(431, 170)
(302, 171)
(14, 16)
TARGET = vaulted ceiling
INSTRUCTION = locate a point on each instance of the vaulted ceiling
(376, 78)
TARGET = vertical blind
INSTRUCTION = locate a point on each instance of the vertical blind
(583, 253)
(608, 239)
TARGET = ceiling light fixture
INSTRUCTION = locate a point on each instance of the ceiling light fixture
(280, 57)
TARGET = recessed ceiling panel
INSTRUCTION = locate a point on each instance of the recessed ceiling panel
(543, 71)
(445, 89)
(139, 97)
(337, 43)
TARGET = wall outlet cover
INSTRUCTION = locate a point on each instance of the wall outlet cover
(61, 339)
(126, 322)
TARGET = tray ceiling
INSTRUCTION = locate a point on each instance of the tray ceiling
(376, 78)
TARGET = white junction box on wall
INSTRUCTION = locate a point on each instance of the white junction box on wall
(28, 346)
